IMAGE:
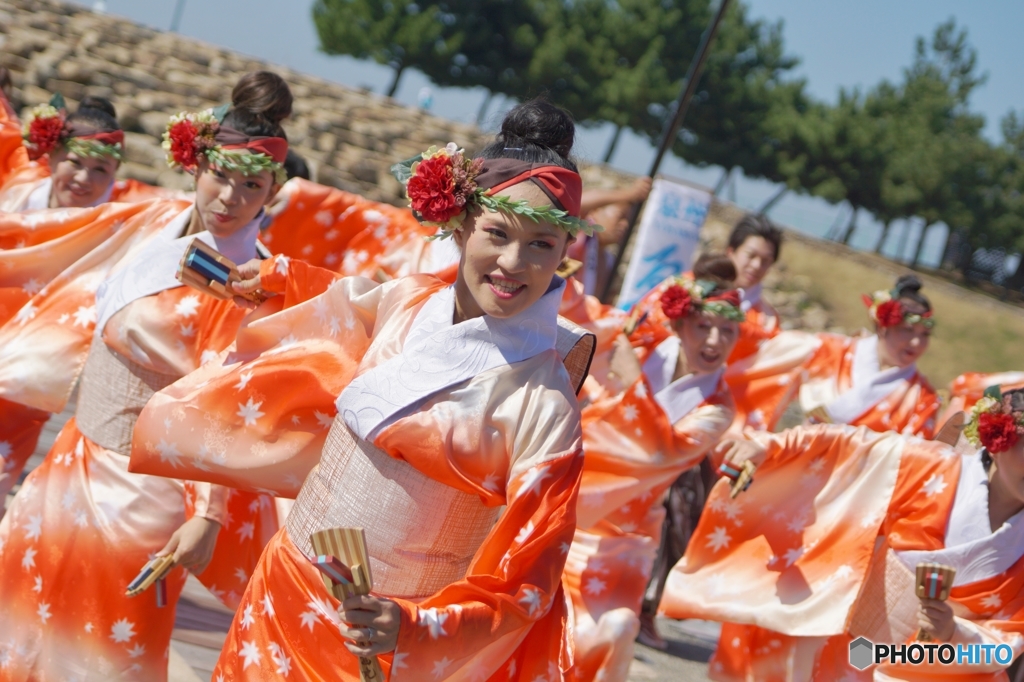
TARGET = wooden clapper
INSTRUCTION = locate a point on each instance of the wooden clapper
(344, 565)
(934, 581)
(204, 268)
(741, 478)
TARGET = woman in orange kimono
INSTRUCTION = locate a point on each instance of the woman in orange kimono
(754, 246)
(82, 152)
(438, 418)
(824, 545)
(968, 388)
(869, 380)
(637, 443)
(82, 526)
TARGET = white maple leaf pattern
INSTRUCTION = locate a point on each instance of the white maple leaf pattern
(25, 313)
(34, 527)
(85, 316)
(44, 612)
(187, 306)
(137, 651)
(595, 586)
(629, 413)
(281, 267)
(532, 480)
(434, 621)
(250, 412)
(934, 485)
(28, 560)
(169, 453)
(440, 667)
(718, 539)
(251, 653)
(243, 380)
(247, 619)
(531, 599)
(122, 630)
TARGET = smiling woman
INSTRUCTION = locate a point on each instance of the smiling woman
(84, 508)
(441, 419)
(869, 380)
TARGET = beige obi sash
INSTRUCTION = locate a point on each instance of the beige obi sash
(112, 392)
(421, 534)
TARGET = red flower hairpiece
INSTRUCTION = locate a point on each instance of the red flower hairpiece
(44, 131)
(997, 431)
(889, 314)
(676, 302)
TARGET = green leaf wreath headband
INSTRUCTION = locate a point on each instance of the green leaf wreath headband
(686, 295)
(190, 135)
(48, 127)
(886, 310)
(443, 184)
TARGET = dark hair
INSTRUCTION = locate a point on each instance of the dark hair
(717, 268)
(5, 78)
(756, 225)
(295, 166)
(96, 112)
(259, 102)
(908, 288)
(536, 132)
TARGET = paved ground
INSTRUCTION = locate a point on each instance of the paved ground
(202, 621)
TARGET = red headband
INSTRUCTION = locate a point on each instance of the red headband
(114, 137)
(563, 186)
(274, 147)
(731, 296)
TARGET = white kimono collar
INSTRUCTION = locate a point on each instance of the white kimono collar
(437, 354)
(39, 198)
(972, 548)
(680, 397)
(153, 268)
(870, 386)
(750, 297)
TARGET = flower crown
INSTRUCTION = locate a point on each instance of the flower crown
(994, 423)
(887, 310)
(191, 135)
(441, 187)
(46, 129)
(685, 295)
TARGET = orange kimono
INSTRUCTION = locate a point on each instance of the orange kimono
(637, 444)
(456, 447)
(346, 233)
(761, 324)
(968, 388)
(822, 547)
(837, 374)
(25, 185)
(82, 526)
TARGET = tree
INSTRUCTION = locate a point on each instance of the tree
(399, 34)
(933, 166)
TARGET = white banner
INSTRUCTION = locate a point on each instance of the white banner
(668, 236)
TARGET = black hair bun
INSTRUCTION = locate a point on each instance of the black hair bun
(99, 104)
(716, 267)
(540, 123)
(908, 284)
(263, 94)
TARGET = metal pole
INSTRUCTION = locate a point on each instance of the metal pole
(179, 9)
(671, 129)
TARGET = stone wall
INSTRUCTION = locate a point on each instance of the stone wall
(350, 137)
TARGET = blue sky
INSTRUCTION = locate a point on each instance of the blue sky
(840, 44)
